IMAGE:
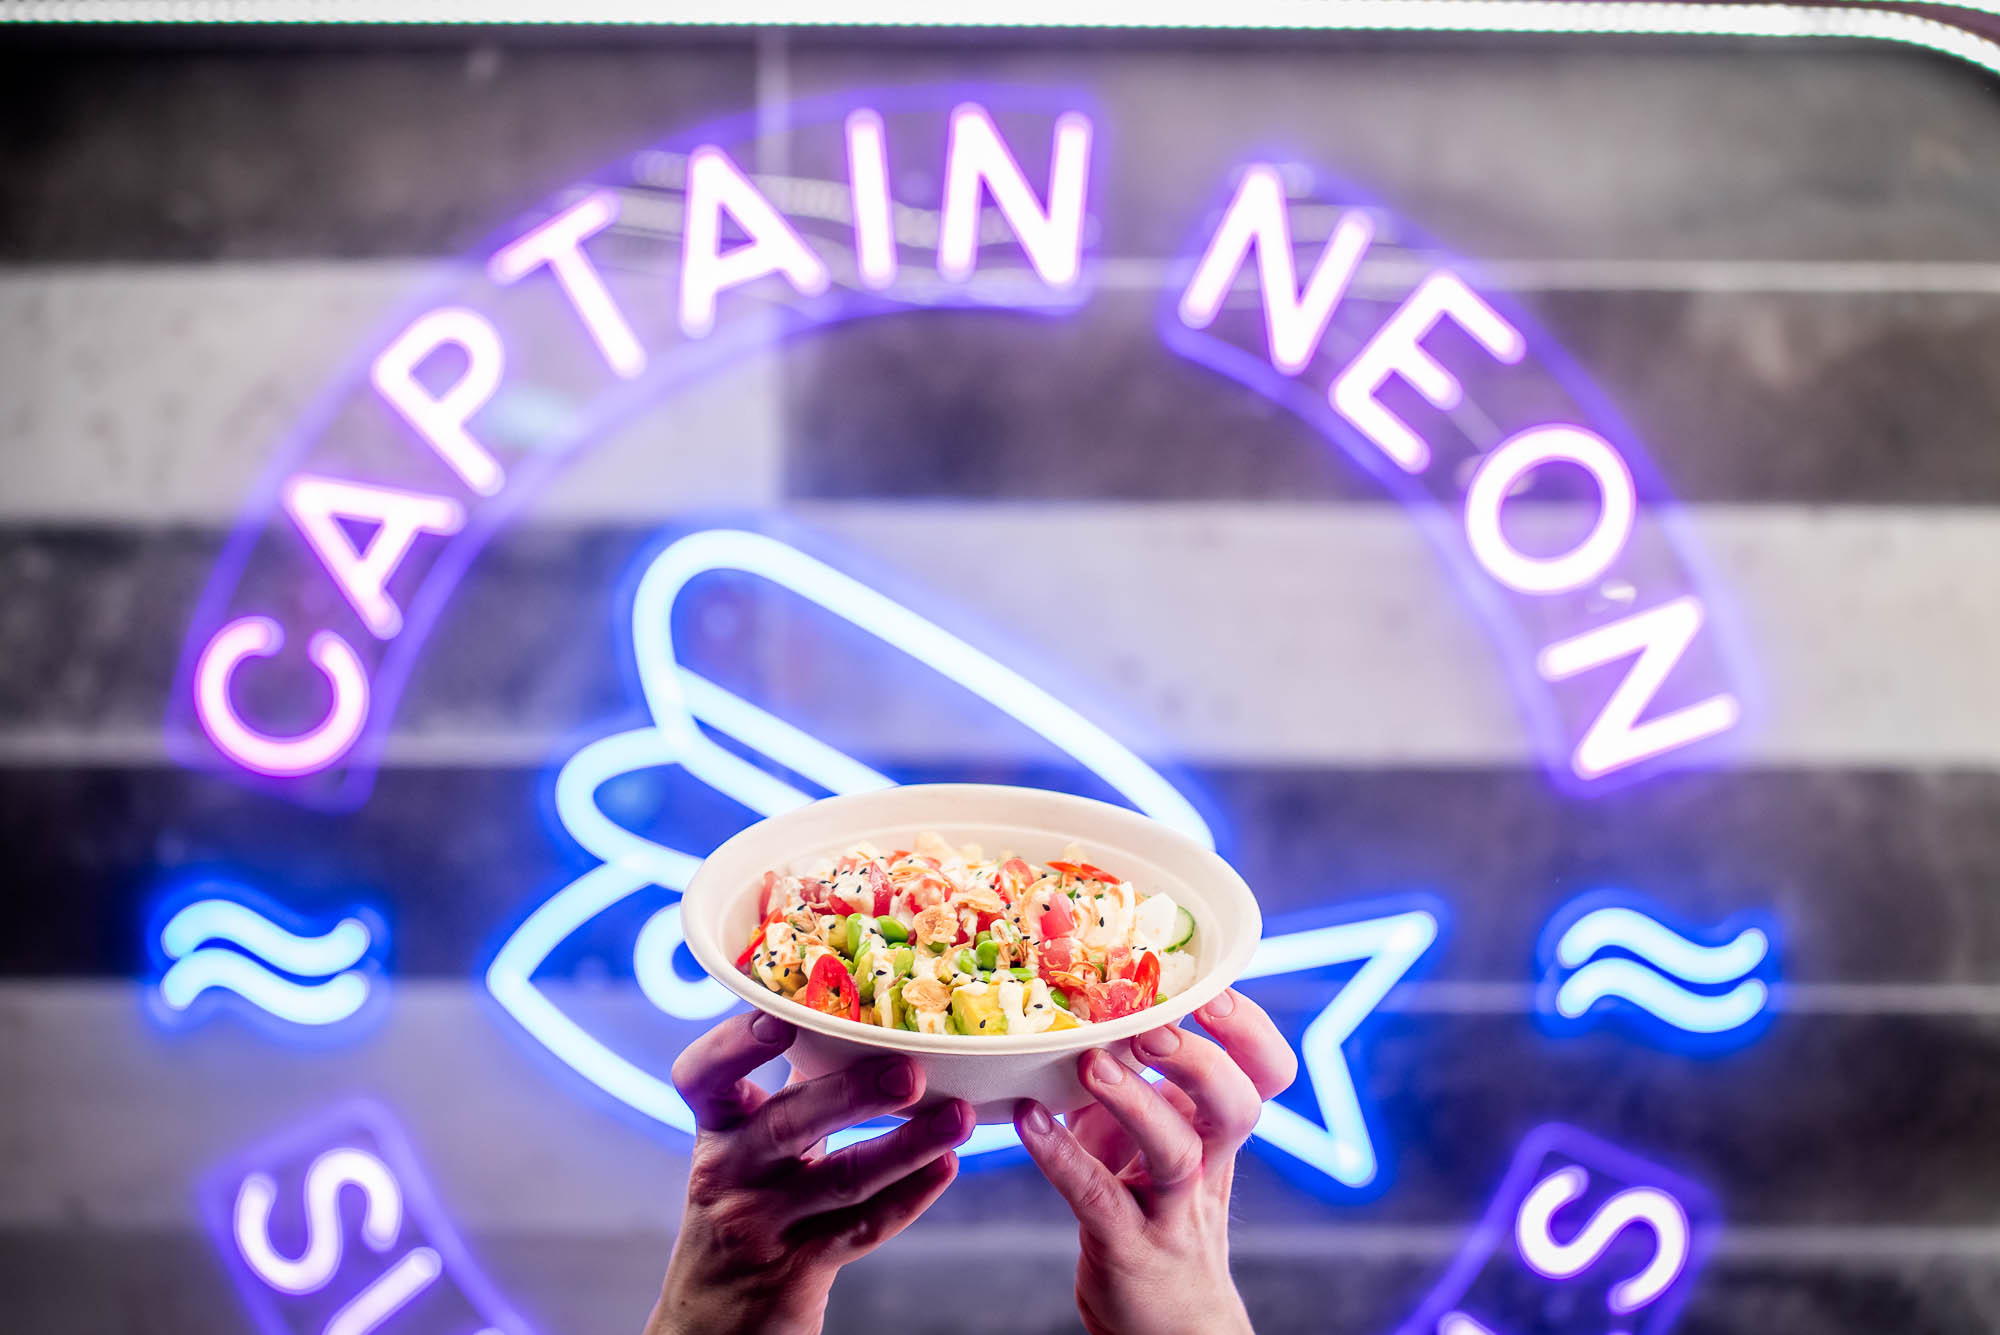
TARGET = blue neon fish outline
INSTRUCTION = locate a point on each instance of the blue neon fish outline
(681, 700)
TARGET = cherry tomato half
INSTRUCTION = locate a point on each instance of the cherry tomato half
(831, 990)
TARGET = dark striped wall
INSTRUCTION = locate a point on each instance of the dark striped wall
(1782, 263)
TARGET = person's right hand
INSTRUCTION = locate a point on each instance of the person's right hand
(1147, 1170)
(770, 1216)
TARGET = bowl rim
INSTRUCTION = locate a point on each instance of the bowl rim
(1214, 978)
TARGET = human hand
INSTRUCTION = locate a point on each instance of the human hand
(1147, 1170)
(771, 1217)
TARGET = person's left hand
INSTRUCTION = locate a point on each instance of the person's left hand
(1147, 1170)
(770, 1216)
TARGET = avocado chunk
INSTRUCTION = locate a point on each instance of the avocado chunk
(977, 1011)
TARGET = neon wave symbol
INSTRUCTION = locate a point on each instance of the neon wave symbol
(1600, 955)
(681, 702)
(254, 955)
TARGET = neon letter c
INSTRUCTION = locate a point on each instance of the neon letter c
(282, 757)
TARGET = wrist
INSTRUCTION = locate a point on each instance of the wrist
(718, 1314)
(763, 1304)
(1225, 1319)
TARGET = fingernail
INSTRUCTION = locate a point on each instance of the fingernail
(1163, 1042)
(1224, 1003)
(1033, 1117)
(1104, 1068)
(898, 1080)
(769, 1029)
(950, 1118)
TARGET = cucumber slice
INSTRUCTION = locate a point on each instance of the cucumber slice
(1183, 929)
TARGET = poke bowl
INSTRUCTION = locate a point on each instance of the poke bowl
(1062, 857)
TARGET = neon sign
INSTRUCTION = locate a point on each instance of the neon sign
(220, 941)
(1612, 953)
(1559, 531)
(1581, 1238)
(1610, 636)
(307, 1262)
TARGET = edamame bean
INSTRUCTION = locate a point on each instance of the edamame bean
(892, 931)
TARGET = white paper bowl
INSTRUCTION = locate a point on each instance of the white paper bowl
(719, 912)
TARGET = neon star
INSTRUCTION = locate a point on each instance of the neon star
(1387, 949)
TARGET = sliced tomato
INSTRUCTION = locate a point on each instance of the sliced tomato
(818, 895)
(750, 951)
(1147, 976)
(1015, 876)
(1085, 871)
(1056, 921)
(770, 888)
(830, 989)
(1110, 1001)
(878, 881)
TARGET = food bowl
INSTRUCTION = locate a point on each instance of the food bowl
(719, 912)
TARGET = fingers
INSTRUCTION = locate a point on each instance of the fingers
(1100, 1201)
(710, 1072)
(1101, 1136)
(859, 1172)
(1170, 1147)
(843, 1235)
(799, 1116)
(1172, 1094)
(1224, 1102)
(1252, 1041)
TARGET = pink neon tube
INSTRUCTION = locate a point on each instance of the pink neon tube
(281, 757)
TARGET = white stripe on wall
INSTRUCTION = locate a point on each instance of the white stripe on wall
(158, 393)
(1331, 635)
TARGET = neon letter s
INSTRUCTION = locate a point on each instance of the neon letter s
(311, 1269)
(1566, 1260)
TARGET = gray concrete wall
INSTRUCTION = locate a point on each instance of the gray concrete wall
(1783, 264)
